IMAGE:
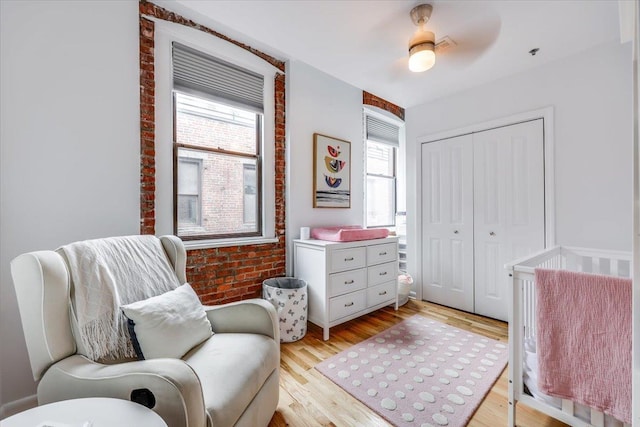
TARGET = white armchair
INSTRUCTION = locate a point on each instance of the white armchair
(231, 379)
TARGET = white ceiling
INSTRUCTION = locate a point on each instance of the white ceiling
(364, 43)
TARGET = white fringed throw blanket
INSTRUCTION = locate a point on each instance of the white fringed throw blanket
(106, 274)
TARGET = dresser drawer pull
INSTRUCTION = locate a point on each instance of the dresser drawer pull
(349, 259)
(349, 304)
(349, 282)
(382, 293)
(382, 273)
(382, 253)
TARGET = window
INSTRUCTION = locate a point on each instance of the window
(218, 128)
(189, 192)
(250, 191)
(381, 165)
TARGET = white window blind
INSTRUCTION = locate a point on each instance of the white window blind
(382, 131)
(197, 71)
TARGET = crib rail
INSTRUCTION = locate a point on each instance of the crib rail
(614, 263)
(522, 324)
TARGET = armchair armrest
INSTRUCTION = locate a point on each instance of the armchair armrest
(175, 386)
(255, 316)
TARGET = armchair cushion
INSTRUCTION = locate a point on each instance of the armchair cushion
(234, 367)
(167, 325)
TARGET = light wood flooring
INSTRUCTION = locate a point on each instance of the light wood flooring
(307, 398)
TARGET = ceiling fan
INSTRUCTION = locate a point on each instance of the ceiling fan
(473, 37)
(422, 46)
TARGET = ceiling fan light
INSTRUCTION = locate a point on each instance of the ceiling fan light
(422, 54)
(422, 57)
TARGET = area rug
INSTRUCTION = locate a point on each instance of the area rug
(420, 372)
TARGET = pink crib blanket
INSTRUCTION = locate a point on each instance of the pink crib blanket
(584, 346)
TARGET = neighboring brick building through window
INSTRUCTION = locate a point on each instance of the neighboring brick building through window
(217, 174)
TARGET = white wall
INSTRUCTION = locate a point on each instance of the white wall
(319, 103)
(591, 97)
(69, 141)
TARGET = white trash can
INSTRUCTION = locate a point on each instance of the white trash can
(289, 296)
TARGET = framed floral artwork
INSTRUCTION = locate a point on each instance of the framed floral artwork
(331, 172)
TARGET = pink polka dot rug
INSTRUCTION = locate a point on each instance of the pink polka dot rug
(420, 372)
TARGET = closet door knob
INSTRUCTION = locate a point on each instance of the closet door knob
(455, 231)
(491, 233)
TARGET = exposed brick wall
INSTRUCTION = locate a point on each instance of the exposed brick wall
(219, 275)
(280, 156)
(147, 128)
(150, 9)
(371, 99)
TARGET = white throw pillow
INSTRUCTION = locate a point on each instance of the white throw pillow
(167, 325)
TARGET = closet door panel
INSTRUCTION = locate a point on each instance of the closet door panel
(457, 258)
(490, 274)
(509, 208)
(447, 206)
(525, 198)
(489, 218)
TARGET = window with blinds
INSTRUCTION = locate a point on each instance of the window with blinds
(382, 142)
(218, 119)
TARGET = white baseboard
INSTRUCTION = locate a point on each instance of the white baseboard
(12, 408)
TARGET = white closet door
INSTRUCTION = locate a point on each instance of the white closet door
(447, 218)
(508, 208)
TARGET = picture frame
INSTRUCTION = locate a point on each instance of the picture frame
(331, 172)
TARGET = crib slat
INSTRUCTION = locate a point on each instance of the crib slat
(567, 406)
(614, 267)
(597, 418)
(530, 310)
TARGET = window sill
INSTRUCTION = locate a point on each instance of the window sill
(223, 243)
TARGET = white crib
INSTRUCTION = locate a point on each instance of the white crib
(522, 326)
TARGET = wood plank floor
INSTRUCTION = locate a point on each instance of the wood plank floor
(308, 398)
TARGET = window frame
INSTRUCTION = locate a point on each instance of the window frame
(259, 119)
(398, 196)
(198, 162)
(166, 33)
(393, 177)
(257, 172)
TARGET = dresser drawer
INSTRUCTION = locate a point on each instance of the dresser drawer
(381, 293)
(349, 281)
(382, 273)
(347, 259)
(378, 254)
(346, 305)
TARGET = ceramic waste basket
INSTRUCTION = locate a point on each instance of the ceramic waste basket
(289, 296)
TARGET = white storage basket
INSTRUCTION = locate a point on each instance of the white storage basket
(289, 296)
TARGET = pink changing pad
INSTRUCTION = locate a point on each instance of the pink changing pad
(349, 233)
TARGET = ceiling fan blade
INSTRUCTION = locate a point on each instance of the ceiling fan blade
(471, 42)
(399, 69)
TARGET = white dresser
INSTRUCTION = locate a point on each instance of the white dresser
(347, 279)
